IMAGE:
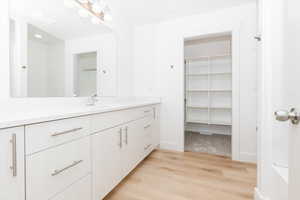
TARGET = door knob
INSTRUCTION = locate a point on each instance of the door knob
(284, 115)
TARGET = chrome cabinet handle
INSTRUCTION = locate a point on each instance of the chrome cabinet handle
(147, 147)
(120, 138)
(66, 132)
(126, 135)
(284, 115)
(147, 111)
(59, 171)
(148, 126)
(13, 142)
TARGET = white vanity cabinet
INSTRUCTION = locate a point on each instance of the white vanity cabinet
(76, 158)
(12, 164)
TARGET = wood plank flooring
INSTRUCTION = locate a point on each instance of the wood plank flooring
(167, 175)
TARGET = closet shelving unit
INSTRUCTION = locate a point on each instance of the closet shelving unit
(209, 93)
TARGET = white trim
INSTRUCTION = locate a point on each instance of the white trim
(236, 93)
(258, 195)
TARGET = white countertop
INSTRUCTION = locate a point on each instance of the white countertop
(22, 112)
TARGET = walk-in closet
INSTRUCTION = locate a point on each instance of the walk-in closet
(208, 94)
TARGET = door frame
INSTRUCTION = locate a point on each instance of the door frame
(235, 34)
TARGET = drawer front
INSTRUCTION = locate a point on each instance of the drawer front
(49, 134)
(148, 125)
(53, 170)
(81, 190)
(108, 120)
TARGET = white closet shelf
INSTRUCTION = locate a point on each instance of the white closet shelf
(211, 90)
(209, 123)
(208, 57)
(210, 107)
(206, 74)
(215, 132)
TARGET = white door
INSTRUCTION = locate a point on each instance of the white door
(12, 164)
(290, 95)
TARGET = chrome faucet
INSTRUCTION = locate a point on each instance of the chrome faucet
(92, 100)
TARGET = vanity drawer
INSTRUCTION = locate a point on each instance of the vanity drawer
(53, 170)
(148, 123)
(108, 120)
(44, 135)
(81, 190)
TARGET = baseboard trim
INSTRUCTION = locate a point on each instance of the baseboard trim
(248, 157)
(169, 146)
(258, 195)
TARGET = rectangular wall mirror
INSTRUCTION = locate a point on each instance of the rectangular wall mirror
(59, 50)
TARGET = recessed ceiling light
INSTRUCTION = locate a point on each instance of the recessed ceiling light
(39, 36)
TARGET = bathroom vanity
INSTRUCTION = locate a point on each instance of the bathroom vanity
(75, 155)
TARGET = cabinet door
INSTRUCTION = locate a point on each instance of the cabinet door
(12, 164)
(132, 148)
(107, 166)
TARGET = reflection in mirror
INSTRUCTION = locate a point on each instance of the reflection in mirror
(45, 64)
(85, 80)
(56, 47)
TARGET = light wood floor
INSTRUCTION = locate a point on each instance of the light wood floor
(167, 175)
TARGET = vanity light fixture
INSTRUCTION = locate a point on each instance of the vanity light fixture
(98, 10)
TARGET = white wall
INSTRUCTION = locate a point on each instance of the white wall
(4, 50)
(56, 72)
(154, 76)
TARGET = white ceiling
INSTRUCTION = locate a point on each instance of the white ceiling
(150, 11)
(65, 23)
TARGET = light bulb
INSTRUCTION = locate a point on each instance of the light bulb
(83, 13)
(96, 20)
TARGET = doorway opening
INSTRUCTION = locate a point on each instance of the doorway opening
(208, 94)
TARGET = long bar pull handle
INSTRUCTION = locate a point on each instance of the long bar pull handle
(126, 135)
(13, 142)
(148, 126)
(120, 138)
(59, 171)
(66, 132)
